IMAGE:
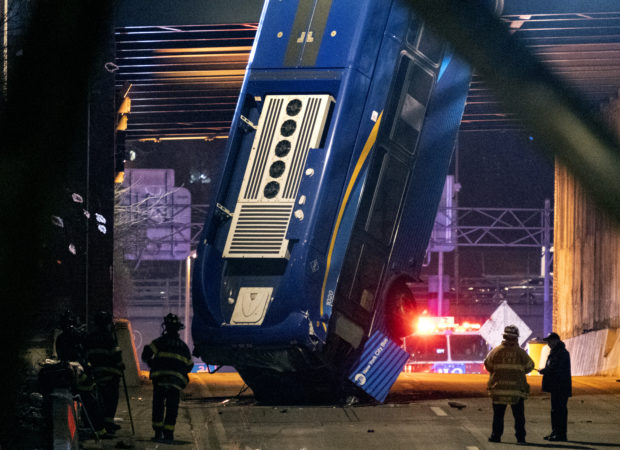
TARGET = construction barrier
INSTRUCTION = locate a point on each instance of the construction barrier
(124, 334)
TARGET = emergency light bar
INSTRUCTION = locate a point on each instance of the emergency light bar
(433, 325)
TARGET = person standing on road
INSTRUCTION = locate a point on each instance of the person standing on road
(70, 349)
(170, 361)
(105, 357)
(557, 381)
(507, 365)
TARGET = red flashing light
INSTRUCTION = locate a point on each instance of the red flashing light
(432, 325)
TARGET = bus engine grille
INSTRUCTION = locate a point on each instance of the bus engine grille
(289, 127)
(259, 231)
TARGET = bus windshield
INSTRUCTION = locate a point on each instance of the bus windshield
(427, 348)
(468, 347)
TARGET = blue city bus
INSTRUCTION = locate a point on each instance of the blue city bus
(335, 165)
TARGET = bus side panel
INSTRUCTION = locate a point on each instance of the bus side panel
(434, 154)
(404, 186)
(425, 185)
(364, 19)
(358, 295)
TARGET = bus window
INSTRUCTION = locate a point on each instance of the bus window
(468, 347)
(427, 348)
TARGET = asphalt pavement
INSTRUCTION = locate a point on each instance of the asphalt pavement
(422, 411)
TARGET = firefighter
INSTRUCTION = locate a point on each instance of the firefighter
(70, 349)
(508, 364)
(170, 361)
(69, 343)
(105, 357)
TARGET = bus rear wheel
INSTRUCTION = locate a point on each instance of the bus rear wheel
(400, 310)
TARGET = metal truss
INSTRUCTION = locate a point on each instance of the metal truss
(199, 213)
(497, 227)
(493, 227)
(462, 227)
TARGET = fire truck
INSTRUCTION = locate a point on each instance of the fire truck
(440, 345)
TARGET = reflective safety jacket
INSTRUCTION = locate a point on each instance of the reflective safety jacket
(169, 360)
(104, 355)
(507, 365)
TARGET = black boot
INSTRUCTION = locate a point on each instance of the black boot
(557, 437)
(159, 435)
(168, 435)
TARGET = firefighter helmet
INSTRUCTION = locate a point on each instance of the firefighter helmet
(67, 320)
(172, 322)
(103, 318)
(511, 332)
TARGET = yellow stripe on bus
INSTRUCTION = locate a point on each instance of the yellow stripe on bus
(370, 142)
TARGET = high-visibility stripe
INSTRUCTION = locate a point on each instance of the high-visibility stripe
(102, 380)
(85, 383)
(170, 385)
(158, 424)
(507, 382)
(159, 373)
(508, 392)
(153, 347)
(518, 367)
(174, 356)
(169, 427)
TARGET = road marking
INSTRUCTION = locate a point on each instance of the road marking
(213, 426)
(475, 432)
(437, 410)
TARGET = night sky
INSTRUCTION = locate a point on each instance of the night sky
(499, 170)
(503, 170)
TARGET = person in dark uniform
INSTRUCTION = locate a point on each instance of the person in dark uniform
(507, 365)
(557, 381)
(105, 357)
(170, 361)
(69, 343)
(70, 349)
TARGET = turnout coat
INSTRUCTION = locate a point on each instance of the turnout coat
(169, 360)
(507, 365)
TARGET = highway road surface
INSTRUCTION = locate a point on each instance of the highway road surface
(422, 411)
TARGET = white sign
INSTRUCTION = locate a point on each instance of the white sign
(493, 329)
(443, 237)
